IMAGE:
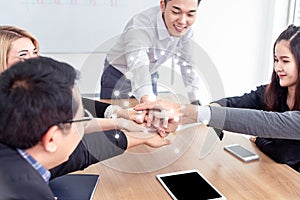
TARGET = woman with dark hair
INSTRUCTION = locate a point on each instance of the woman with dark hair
(282, 94)
(271, 112)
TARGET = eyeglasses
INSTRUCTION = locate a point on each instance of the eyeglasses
(86, 119)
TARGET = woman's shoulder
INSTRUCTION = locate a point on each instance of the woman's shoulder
(260, 89)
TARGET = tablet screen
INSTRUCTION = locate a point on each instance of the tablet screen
(188, 185)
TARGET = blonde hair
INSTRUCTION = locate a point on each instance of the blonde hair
(9, 34)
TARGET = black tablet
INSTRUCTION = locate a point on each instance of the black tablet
(189, 184)
(74, 186)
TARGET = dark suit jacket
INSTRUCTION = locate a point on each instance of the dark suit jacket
(285, 151)
(96, 108)
(19, 180)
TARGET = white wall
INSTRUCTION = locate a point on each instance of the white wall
(237, 35)
(90, 67)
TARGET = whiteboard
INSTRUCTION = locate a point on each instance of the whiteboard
(71, 26)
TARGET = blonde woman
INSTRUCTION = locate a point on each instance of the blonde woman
(17, 44)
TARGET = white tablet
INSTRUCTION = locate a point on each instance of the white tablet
(189, 184)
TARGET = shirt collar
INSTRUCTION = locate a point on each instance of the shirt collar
(161, 27)
(35, 164)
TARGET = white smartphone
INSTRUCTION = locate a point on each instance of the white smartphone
(241, 152)
(189, 184)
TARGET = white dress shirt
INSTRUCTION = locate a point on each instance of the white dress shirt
(144, 45)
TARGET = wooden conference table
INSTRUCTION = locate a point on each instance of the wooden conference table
(132, 174)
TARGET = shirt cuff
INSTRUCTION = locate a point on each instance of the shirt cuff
(110, 111)
(204, 114)
(146, 90)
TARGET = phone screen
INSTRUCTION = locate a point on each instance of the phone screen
(241, 152)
